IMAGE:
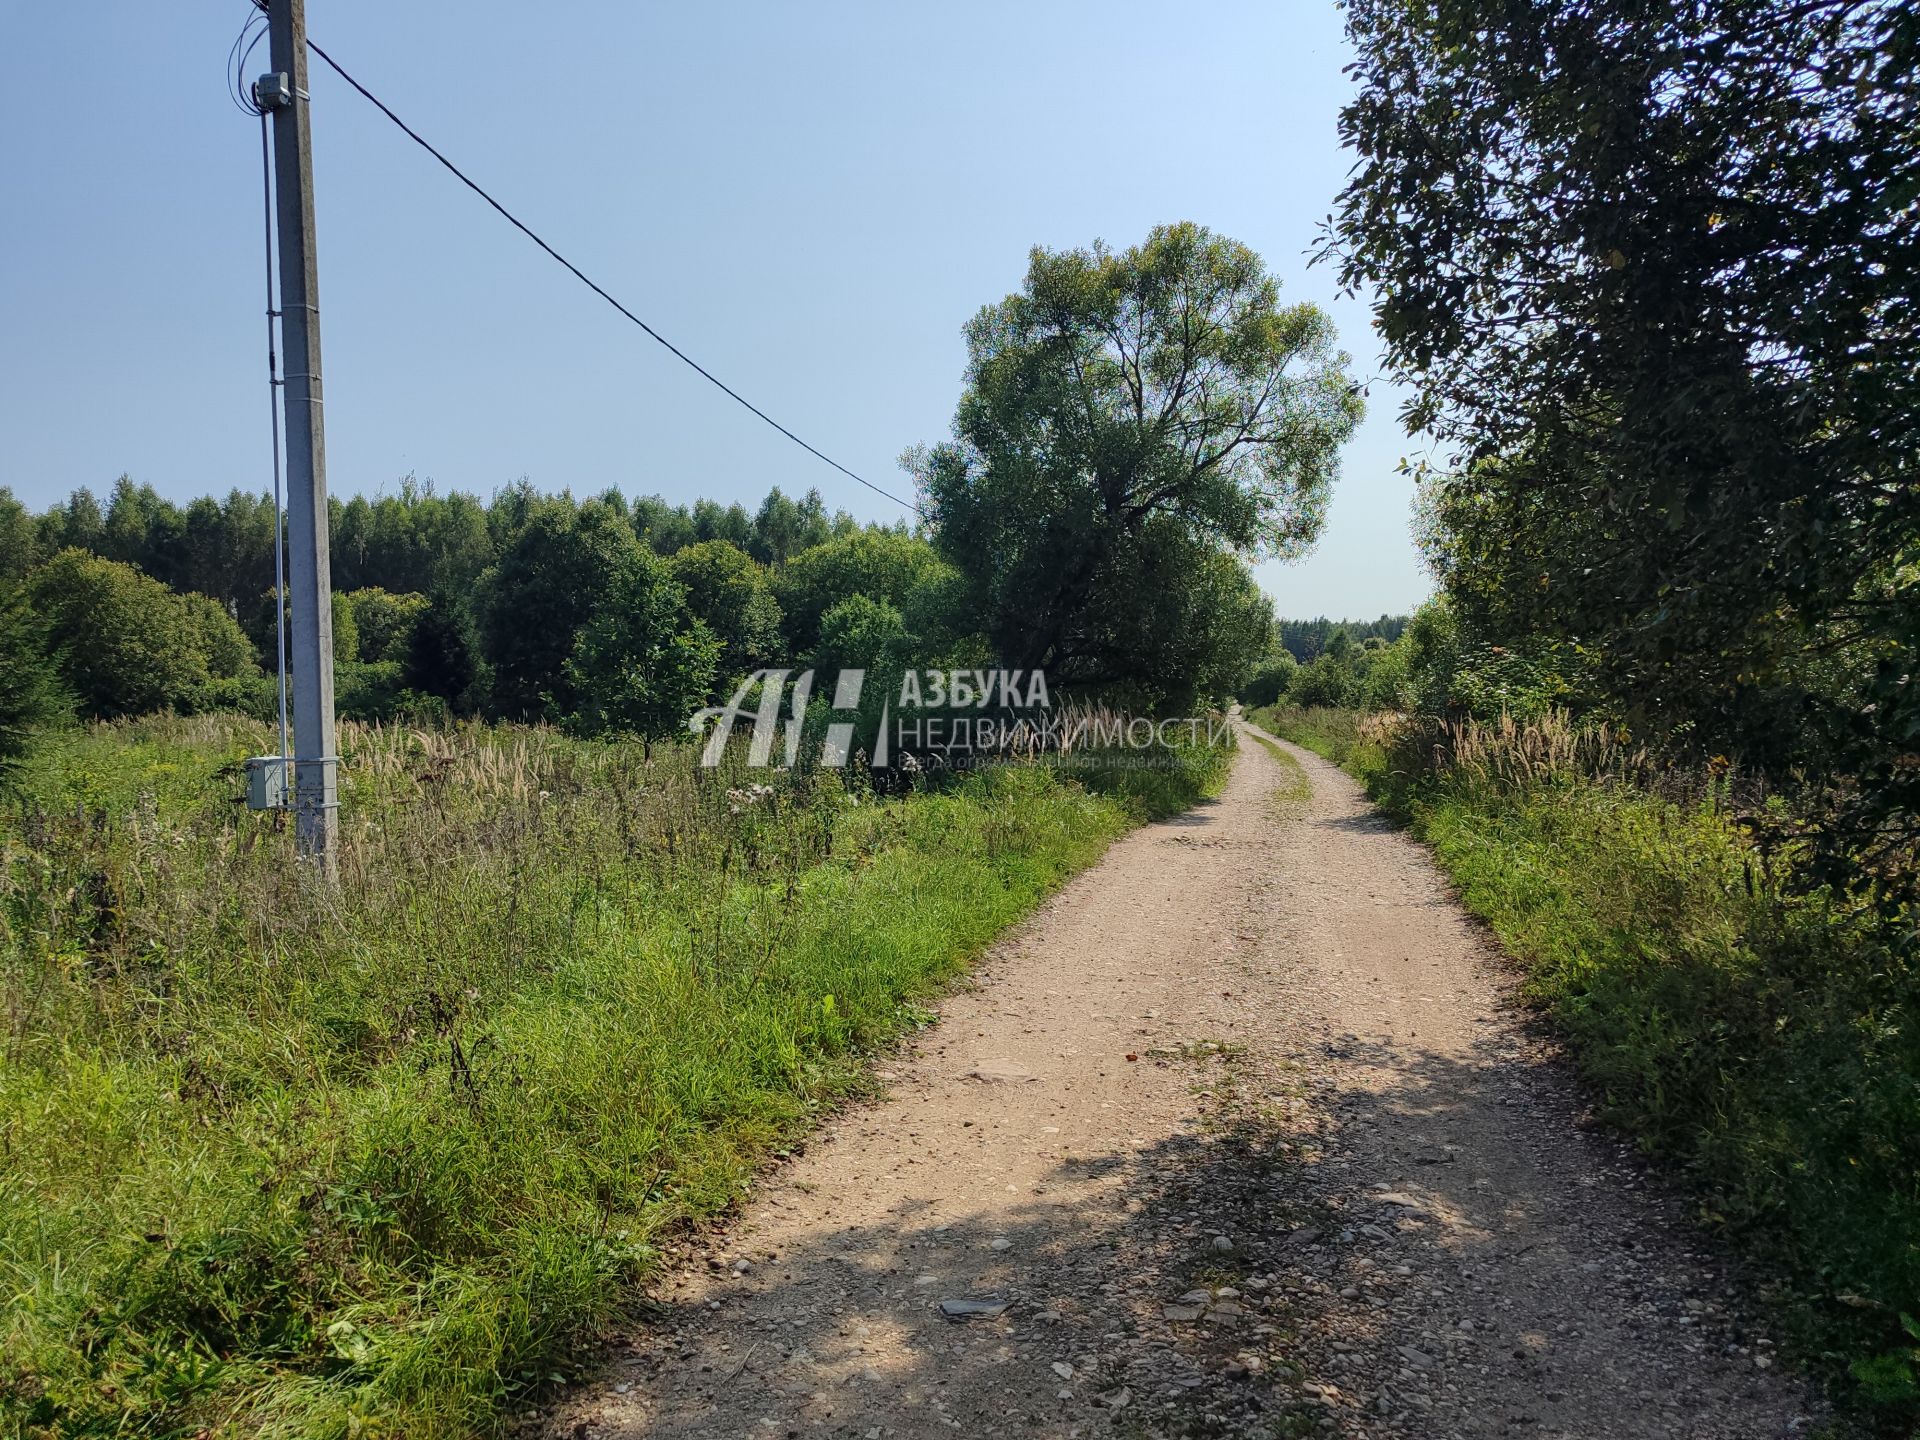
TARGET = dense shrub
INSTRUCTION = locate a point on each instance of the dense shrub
(125, 643)
(32, 699)
(641, 665)
(383, 623)
(878, 564)
(730, 593)
(1271, 680)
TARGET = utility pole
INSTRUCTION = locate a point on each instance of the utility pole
(315, 792)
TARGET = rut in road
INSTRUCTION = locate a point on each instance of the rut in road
(1242, 1131)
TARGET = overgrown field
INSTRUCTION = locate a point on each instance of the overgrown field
(375, 1162)
(1767, 1042)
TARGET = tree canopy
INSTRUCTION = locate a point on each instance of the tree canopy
(1650, 271)
(641, 665)
(1119, 406)
(126, 643)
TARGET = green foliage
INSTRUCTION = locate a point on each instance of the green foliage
(1123, 411)
(1766, 1045)
(126, 643)
(1329, 731)
(1452, 672)
(224, 646)
(782, 527)
(1181, 769)
(370, 689)
(1669, 336)
(642, 665)
(19, 539)
(554, 574)
(861, 632)
(729, 592)
(346, 630)
(1368, 675)
(1305, 639)
(77, 525)
(383, 622)
(1892, 1379)
(382, 1161)
(880, 564)
(1176, 620)
(32, 699)
(415, 542)
(1271, 679)
(443, 657)
(221, 549)
(390, 552)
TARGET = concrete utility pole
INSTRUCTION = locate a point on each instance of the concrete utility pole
(315, 794)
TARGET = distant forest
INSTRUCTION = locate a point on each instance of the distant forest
(1306, 640)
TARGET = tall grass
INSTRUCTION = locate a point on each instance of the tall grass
(376, 1160)
(1766, 1041)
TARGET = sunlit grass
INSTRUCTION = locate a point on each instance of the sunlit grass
(1766, 1041)
(376, 1161)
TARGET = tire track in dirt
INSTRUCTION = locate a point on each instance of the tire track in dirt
(1238, 1134)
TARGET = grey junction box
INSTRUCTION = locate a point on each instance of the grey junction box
(267, 782)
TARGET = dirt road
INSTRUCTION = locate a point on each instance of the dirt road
(1238, 1135)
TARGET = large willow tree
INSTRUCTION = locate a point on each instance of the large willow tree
(1129, 420)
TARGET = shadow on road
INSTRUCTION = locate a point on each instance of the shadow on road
(1298, 1262)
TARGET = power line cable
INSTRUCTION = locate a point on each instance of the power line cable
(582, 277)
(239, 90)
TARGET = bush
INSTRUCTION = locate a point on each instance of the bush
(254, 695)
(1453, 673)
(32, 699)
(730, 592)
(383, 623)
(642, 666)
(443, 658)
(878, 564)
(1326, 682)
(363, 691)
(126, 643)
(551, 579)
(1271, 682)
(227, 652)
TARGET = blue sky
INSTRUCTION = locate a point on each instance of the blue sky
(810, 200)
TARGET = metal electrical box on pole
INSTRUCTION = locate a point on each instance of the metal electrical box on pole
(314, 794)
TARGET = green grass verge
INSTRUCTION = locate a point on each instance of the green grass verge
(384, 1162)
(1767, 1045)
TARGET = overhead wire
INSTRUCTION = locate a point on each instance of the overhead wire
(239, 89)
(591, 284)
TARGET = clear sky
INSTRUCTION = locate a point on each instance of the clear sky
(809, 199)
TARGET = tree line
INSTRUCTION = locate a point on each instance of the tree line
(412, 541)
(1136, 428)
(1306, 640)
(442, 602)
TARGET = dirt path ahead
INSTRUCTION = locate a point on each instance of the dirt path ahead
(1237, 1136)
